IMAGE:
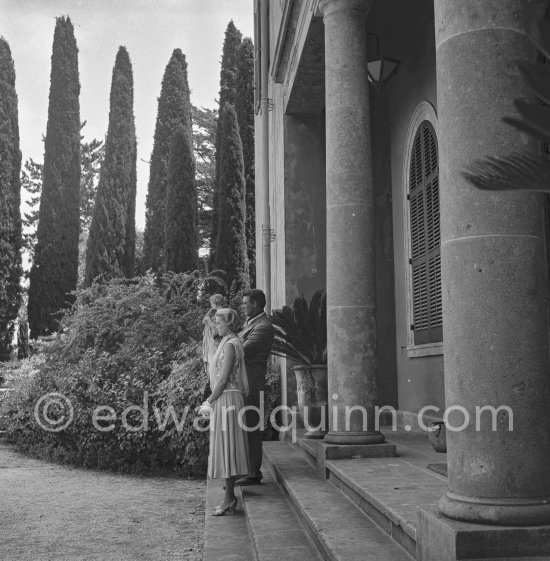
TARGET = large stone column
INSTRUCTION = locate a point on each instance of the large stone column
(351, 289)
(493, 272)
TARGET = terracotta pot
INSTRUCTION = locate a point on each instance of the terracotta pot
(438, 437)
(312, 391)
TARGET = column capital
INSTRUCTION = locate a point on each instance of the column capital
(330, 7)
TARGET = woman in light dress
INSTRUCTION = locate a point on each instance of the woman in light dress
(228, 454)
(210, 338)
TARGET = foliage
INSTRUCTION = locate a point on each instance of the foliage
(228, 93)
(523, 171)
(16, 372)
(31, 181)
(92, 155)
(181, 249)
(244, 107)
(129, 261)
(231, 255)
(139, 267)
(82, 245)
(108, 254)
(173, 112)
(124, 343)
(10, 203)
(272, 400)
(204, 133)
(54, 272)
(301, 331)
(228, 72)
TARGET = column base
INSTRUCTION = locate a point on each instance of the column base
(327, 452)
(347, 437)
(504, 512)
(441, 539)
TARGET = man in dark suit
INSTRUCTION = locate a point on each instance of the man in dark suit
(257, 337)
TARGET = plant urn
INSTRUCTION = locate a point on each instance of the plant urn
(312, 391)
(437, 436)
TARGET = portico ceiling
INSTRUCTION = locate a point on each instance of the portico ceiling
(308, 89)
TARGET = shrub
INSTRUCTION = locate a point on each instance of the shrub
(125, 343)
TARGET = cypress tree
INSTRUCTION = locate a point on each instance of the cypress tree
(10, 202)
(244, 107)
(231, 254)
(23, 349)
(228, 94)
(129, 261)
(112, 228)
(181, 235)
(91, 156)
(204, 141)
(54, 272)
(173, 112)
(228, 73)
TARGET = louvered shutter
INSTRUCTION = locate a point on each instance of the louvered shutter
(425, 259)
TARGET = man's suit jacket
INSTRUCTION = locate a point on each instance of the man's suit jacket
(257, 341)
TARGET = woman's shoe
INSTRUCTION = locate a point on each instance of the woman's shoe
(219, 511)
(245, 481)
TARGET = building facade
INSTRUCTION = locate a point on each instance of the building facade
(436, 291)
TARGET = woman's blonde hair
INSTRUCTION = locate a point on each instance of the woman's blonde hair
(230, 317)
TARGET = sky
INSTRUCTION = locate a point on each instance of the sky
(149, 29)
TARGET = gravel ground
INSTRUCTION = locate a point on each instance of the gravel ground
(56, 513)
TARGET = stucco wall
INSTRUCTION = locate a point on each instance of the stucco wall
(385, 283)
(305, 208)
(304, 195)
(420, 379)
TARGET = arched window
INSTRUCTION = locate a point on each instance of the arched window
(425, 259)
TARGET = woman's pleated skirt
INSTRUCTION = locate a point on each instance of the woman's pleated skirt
(228, 454)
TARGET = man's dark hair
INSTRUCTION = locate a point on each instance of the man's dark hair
(257, 296)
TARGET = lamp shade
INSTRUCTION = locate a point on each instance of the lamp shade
(382, 70)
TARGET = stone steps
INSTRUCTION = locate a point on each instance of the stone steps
(264, 527)
(226, 538)
(277, 533)
(341, 531)
(387, 490)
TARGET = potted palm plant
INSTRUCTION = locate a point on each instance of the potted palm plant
(301, 336)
